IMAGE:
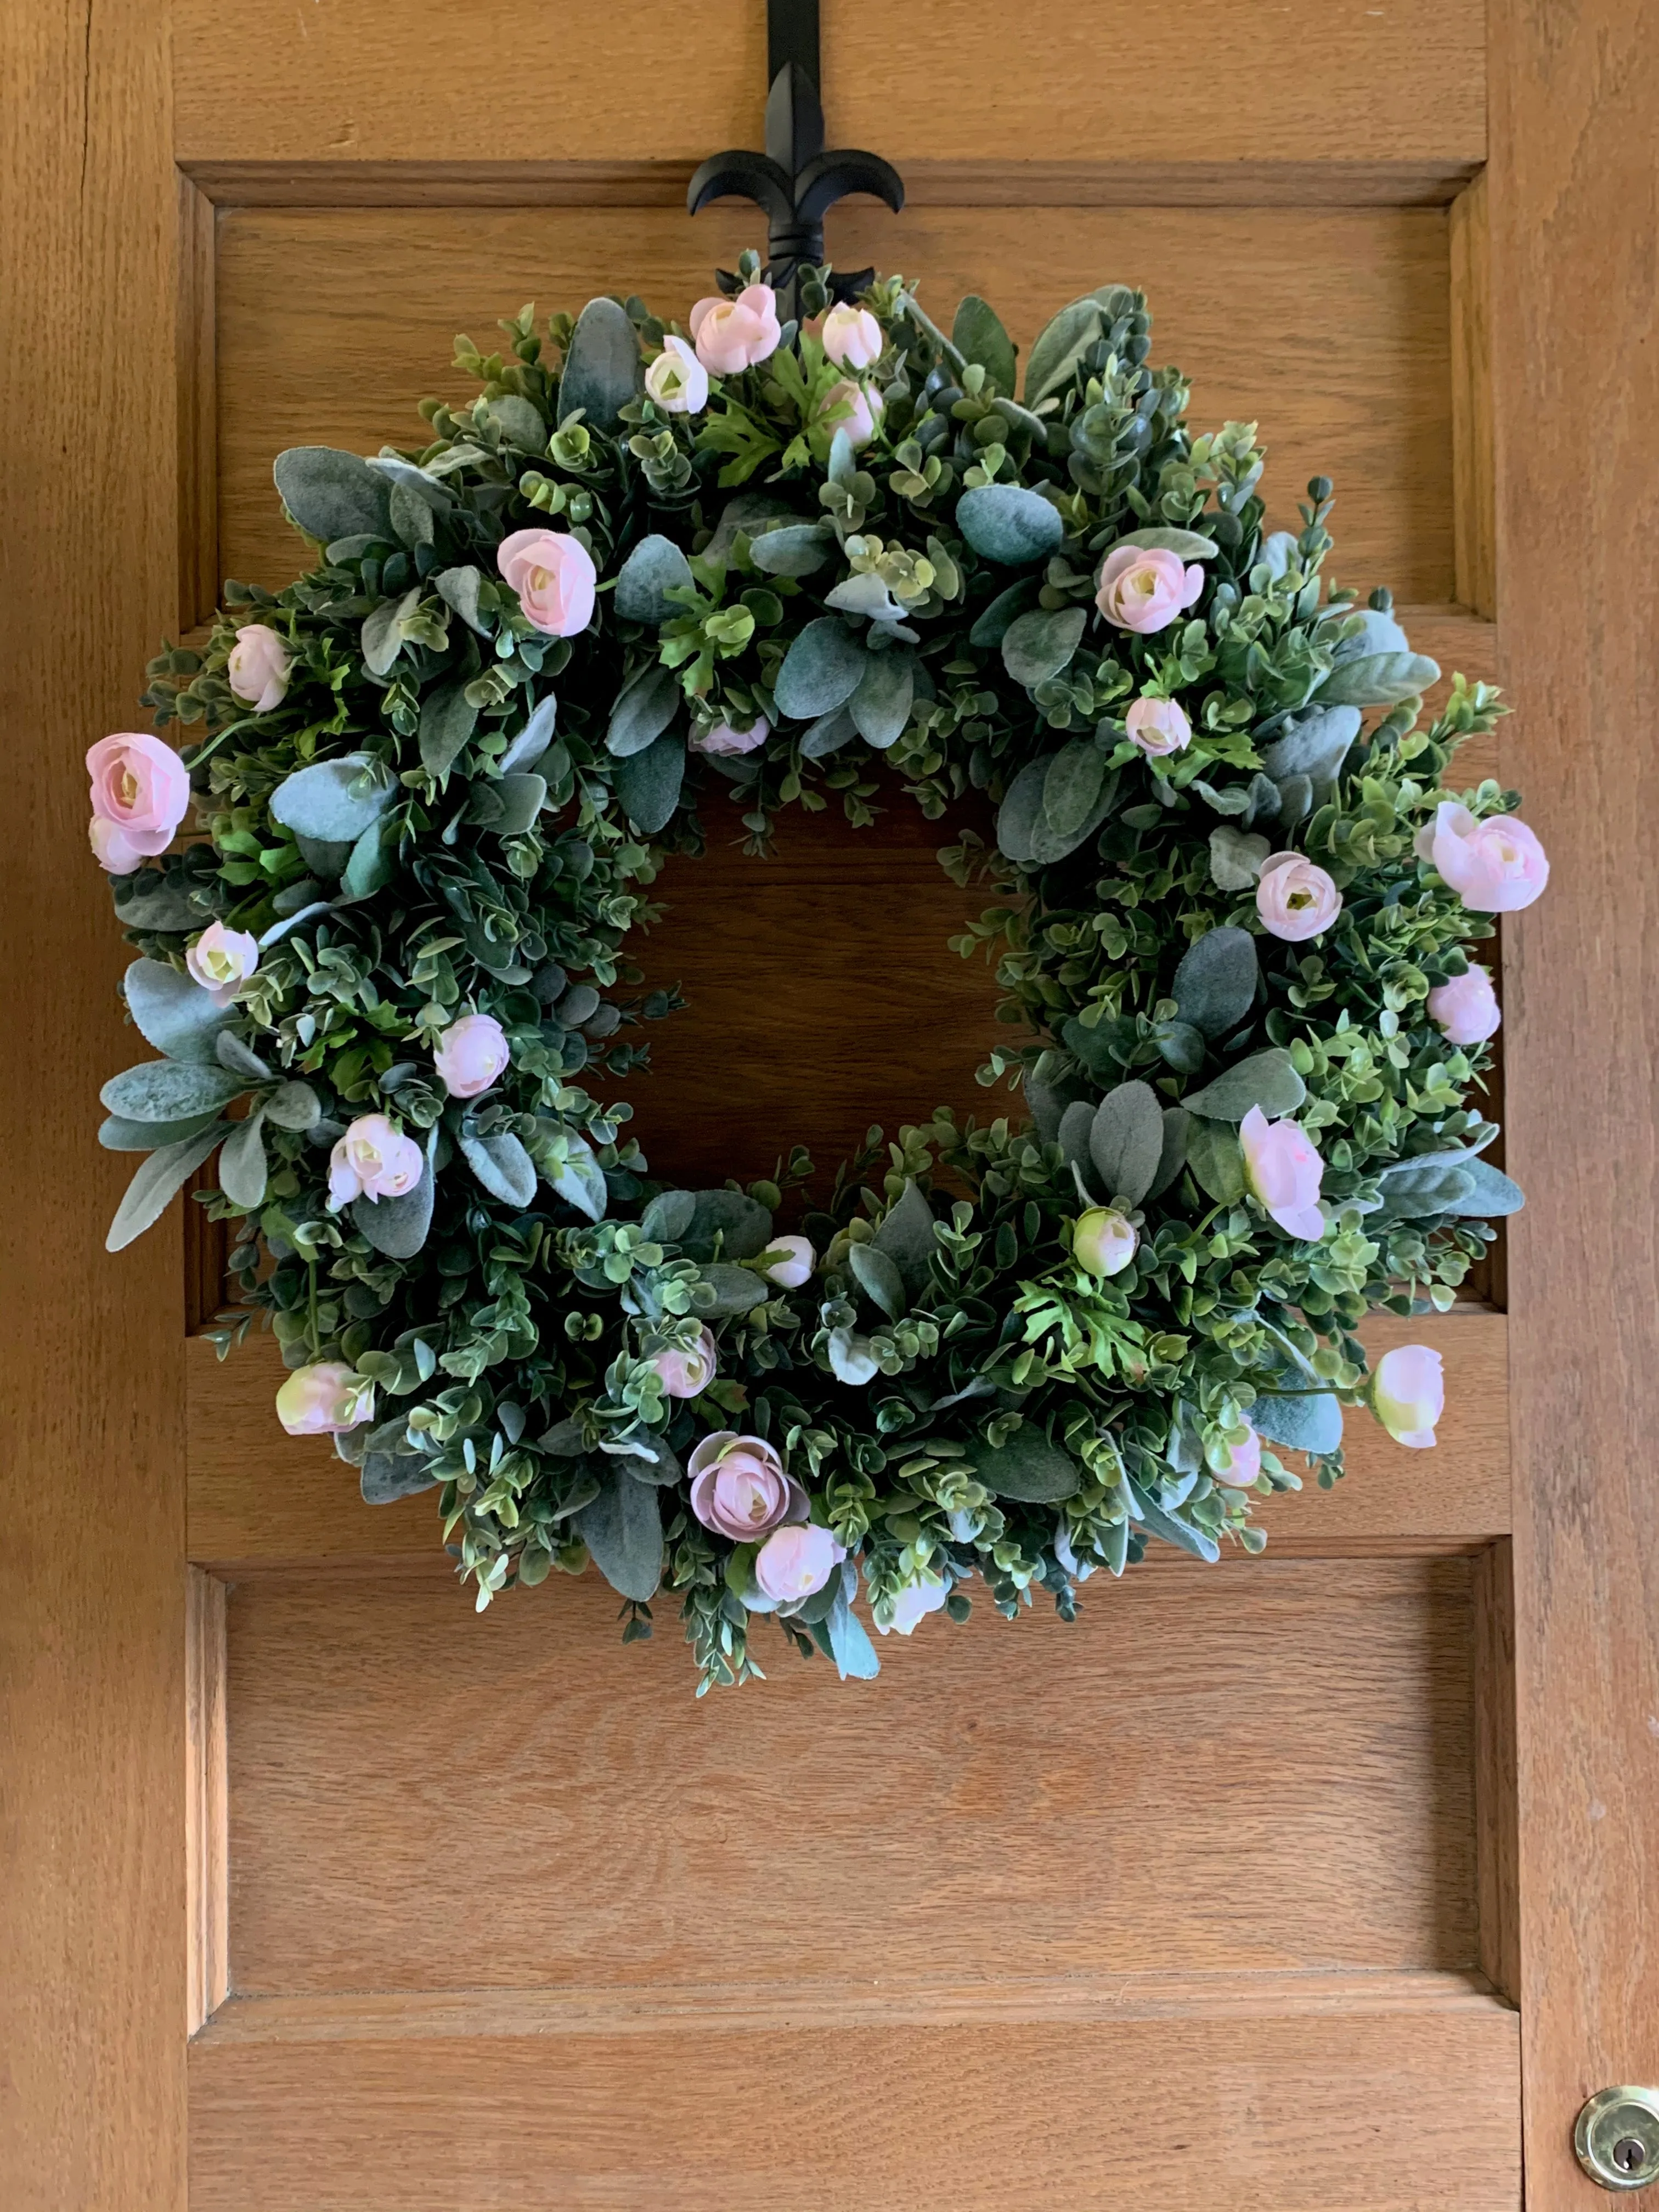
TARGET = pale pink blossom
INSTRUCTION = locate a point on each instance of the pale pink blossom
(739, 1488)
(727, 738)
(222, 959)
(796, 1560)
(324, 1400)
(1409, 1394)
(1104, 1242)
(794, 1262)
(259, 667)
(471, 1054)
(686, 1370)
(554, 576)
(1241, 1463)
(1466, 1008)
(677, 379)
(854, 409)
(733, 335)
(1295, 898)
(1495, 866)
(140, 794)
(852, 337)
(1144, 588)
(912, 1604)
(373, 1160)
(1158, 726)
(1283, 1170)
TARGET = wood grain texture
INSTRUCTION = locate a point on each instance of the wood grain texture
(1233, 1771)
(1498, 1839)
(331, 323)
(259, 1499)
(1475, 520)
(207, 1797)
(964, 83)
(198, 521)
(1351, 2112)
(91, 1648)
(1575, 238)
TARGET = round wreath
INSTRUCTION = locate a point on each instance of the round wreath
(438, 774)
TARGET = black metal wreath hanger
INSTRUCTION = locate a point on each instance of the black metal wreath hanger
(794, 182)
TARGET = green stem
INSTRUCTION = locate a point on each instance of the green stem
(926, 323)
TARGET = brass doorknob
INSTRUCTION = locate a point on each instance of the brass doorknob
(1617, 2138)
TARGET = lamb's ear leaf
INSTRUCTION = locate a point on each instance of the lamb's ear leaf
(1007, 524)
(1267, 1080)
(841, 1636)
(643, 710)
(880, 708)
(532, 741)
(821, 670)
(1187, 543)
(172, 1012)
(1215, 985)
(793, 548)
(994, 624)
(520, 422)
(1172, 1154)
(146, 901)
(449, 718)
(1059, 347)
(501, 1164)
(1217, 1163)
(907, 1237)
(118, 1134)
(1153, 1518)
(1382, 680)
(243, 1171)
(1039, 645)
(385, 1477)
(458, 588)
(977, 334)
(170, 1091)
(623, 1530)
(1309, 1424)
(669, 1216)
(654, 568)
(581, 1181)
(1072, 784)
(1027, 1468)
(602, 366)
(152, 1186)
(397, 1226)
(878, 1278)
(1126, 1141)
(736, 1289)
(648, 784)
(334, 801)
(332, 495)
(742, 1224)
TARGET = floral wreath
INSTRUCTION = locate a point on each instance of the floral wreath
(1232, 893)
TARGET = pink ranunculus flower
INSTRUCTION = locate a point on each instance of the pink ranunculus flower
(1104, 1242)
(373, 1160)
(739, 1488)
(1409, 1394)
(795, 1560)
(1242, 1463)
(857, 408)
(794, 1261)
(685, 1372)
(677, 379)
(727, 738)
(1158, 726)
(1466, 1008)
(221, 959)
(733, 335)
(140, 794)
(259, 667)
(1144, 588)
(471, 1052)
(912, 1604)
(554, 576)
(852, 337)
(1495, 866)
(1295, 898)
(1283, 1170)
(324, 1400)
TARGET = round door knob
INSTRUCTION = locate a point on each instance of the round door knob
(1617, 2138)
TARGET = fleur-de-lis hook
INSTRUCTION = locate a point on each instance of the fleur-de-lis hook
(794, 182)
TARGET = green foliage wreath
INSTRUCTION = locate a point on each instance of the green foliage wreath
(1231, 894)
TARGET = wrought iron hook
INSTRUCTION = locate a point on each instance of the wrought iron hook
(794, 182)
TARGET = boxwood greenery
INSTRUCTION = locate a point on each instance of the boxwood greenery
(450, 812)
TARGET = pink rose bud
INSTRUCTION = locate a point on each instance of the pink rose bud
(854, 408)
(739, 1489)
(730, 737)
(677, 379)
(1409, 1394)
(795, 1561)
(852, 337)
(1295, 898)
(554, 576)
(1144, 588)
(1103, 1241)
(1158, 726)
(1495, 866)
(733, 335)
(684, 1373)
(1467, 1007)
(1283, 1170)
(471, 1052)
(1240, 1464)
(324, 1400)
(913, 1603)
(222, 959)
(140, 794)
(794, 1262)
(373, 1160)
(257, 670)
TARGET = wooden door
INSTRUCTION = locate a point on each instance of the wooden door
(1314, 1882)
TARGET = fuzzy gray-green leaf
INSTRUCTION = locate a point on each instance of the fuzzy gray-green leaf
(332, 495)
(623, 1529)
(1027, 1468)
(648, 784)
(1072, 784)
(1267, 1080)
(172, 1012)
(501, 1164)
(333, 801)
(877, 1276)
(170, 1091)
(880, 707)
(602, 367)
(1215, 985)
(242, 1169)
(1010, 524)
(821, 670)
(1126, 1140)
(152, 1188)
(654, 568)
(1039, 645)
(447, 720)
(977, 334)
